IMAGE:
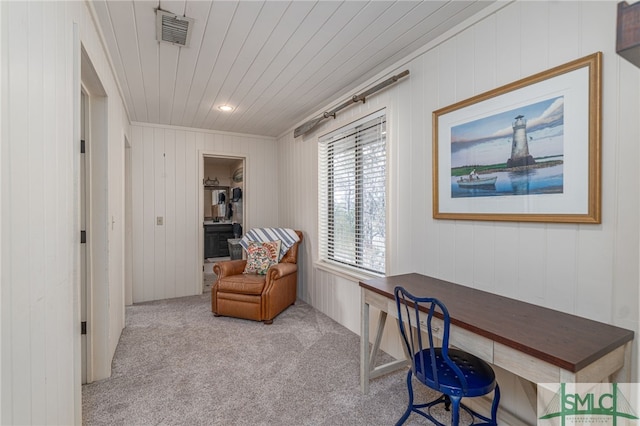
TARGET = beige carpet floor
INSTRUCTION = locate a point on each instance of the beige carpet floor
(177, 364)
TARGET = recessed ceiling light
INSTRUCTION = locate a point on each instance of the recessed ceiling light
(225, 108)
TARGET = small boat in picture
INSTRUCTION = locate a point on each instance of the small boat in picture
(477, 182)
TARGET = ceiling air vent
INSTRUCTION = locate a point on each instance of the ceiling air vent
(172, 28)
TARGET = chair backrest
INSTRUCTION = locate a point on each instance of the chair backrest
(291, 256)
(423, 357)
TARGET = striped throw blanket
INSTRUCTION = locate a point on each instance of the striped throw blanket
(287, 236)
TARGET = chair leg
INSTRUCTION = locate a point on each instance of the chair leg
(455, 412)
(407, 412)
(489, 421)
(494, 405)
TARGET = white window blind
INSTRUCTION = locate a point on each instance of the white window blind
(352, 194)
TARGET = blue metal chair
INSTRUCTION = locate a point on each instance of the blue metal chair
(454, 373)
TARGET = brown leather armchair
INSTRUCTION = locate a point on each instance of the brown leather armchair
(252, 296)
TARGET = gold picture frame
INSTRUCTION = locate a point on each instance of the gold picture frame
(528, 151)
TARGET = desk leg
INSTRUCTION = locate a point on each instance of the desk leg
(623, 375)
(368, 368)
(365, 364)
(382, 320)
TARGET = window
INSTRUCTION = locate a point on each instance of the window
(352, 194)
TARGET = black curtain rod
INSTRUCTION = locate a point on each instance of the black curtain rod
(309, 125)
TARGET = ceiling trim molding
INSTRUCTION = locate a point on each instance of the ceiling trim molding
(199, 130)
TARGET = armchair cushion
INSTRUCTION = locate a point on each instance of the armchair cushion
(261, 256)
(242, 284)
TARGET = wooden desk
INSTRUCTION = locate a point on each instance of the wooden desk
(537, 344)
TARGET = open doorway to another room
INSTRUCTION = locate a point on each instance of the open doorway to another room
(222, 213)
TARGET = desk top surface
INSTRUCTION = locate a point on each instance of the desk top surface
(568, 341)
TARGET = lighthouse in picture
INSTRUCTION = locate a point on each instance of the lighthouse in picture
(520, 147)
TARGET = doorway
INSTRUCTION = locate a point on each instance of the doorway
(222, 210)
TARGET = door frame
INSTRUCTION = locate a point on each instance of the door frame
(86, 356)
(245, 217)
(96, 160)
(128, 224)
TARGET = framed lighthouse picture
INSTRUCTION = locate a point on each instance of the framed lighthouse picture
(528, 151)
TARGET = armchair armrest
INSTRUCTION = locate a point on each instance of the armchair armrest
(280, 288)
(280, 270)
(229, 267)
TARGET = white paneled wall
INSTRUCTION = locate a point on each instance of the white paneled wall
(587, 270)
(40, 158)
(167, 181)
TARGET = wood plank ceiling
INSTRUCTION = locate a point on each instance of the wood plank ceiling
(275, 62)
